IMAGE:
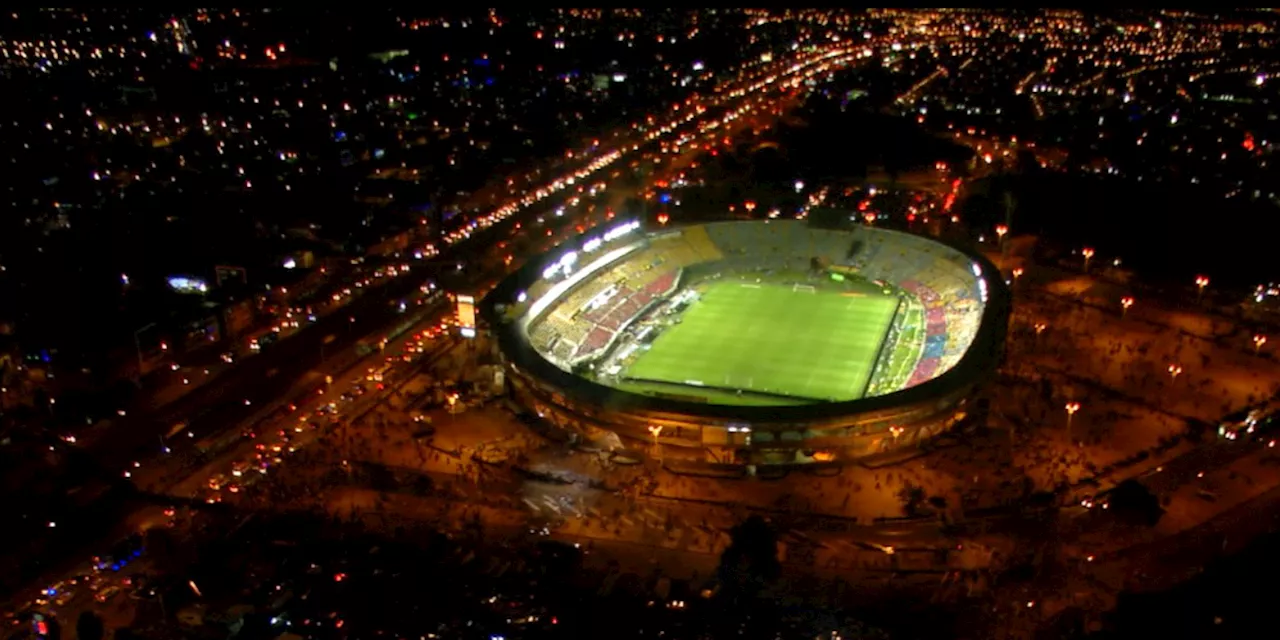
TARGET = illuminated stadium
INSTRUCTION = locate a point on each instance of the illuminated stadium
(763, 342)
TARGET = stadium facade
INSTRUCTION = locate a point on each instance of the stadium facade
(549, 329)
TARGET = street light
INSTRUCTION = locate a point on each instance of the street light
(1088, 255)
(1072, 408)
(1258, 341)
(1017, 273)
(1201, 283)
(1040, 327)
(1001, 229)
(1125, 303)
(656, 430)
(1174, 371)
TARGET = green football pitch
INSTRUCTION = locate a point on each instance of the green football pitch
(771, 339)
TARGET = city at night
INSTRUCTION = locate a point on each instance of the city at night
(500, 324)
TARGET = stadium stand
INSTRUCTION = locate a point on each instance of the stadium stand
(584, 321)
(704, 250)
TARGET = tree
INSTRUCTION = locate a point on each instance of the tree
(167, 555)
(89, 626)
(750, 562)
(1132, 502)
(381, 478)
(913, 498)
(422, 485)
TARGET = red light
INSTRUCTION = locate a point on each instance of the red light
(339, 577)
(555, 620)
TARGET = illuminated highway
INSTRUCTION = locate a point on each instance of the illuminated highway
(241, 393)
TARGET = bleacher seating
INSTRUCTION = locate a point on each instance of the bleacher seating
(704, 250)
(595, 340)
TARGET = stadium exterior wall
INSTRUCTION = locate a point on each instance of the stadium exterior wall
(756, 435)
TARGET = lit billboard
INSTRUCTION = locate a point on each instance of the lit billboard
(467, 315)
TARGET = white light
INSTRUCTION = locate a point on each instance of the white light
(977, 270)
(522, 296)
(290, 263)
(183, 284)
(621, 230)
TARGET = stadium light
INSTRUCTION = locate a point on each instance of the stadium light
(621, 230)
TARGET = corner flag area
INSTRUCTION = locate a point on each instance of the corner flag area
(791, 342)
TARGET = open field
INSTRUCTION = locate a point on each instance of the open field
(771, 339)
